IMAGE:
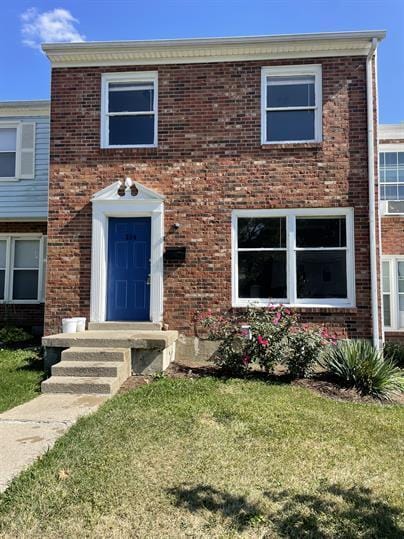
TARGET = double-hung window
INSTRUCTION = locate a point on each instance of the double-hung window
(22, 263)
(17, 150)
(291, 104)
(391, 173)
(293, 256)
(8, 151)
(393, 292)
(129, 110)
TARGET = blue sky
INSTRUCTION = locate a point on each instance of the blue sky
(25, 71)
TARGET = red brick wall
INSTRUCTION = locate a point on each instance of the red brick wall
(209, 161)
(21, 315)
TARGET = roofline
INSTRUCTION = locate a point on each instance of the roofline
(84, 45)
(25, 108)
(211, 49)
(391, 132)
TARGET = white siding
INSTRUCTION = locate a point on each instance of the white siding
(28, 199)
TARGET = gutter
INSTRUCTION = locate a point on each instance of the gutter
(234, 40)
(372, 198)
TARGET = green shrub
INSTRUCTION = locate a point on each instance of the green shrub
(394, 351)
(302, 351)
(11, 334)
(273, 336)
(358, 364)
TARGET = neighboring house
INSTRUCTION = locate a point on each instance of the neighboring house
(391, 172)
(24, 158)
(255, 180)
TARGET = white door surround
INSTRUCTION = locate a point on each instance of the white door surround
(107, 203)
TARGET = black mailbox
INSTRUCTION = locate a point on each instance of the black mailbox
(175, 254)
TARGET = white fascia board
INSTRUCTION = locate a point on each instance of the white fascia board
(391, 132)
(182, 51)
(24, 108)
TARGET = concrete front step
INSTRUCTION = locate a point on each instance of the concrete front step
(79, 353)
(103, 369)
(80, 385)
(119, 326)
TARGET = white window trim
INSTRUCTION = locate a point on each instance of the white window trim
(9, 270)
(137, 76)
(383, 148)
(292, 300)
(394, 305)
(17, 126)
(290, 71)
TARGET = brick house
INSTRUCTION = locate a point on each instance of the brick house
(391, 154)
(215, 173)
(24, 158)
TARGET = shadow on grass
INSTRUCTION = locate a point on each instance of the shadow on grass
(332, 511)
(219, 372)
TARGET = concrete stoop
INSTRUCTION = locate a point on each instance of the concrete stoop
(89, 370)
(98, 362)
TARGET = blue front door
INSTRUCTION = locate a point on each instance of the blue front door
(128, 295)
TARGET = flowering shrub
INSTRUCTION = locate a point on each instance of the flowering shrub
(303, 349)
(264, 337)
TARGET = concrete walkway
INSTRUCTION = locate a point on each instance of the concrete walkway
(29, 430)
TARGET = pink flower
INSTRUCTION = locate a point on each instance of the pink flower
(246, 359)
(261, 341)
(287, 311)
(277, 318)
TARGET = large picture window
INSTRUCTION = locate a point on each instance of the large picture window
(22, 263)
(291, 104)
(129, 110)
(293, 257)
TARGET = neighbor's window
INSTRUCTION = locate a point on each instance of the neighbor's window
(298, 257)
(393, 292)
(22, 263)
(291, 104)
(129, 109)
(8, 152)
(391, 175)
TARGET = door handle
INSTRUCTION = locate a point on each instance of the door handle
(148, 280)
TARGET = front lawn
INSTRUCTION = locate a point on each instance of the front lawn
(21, 372)
(207, 457)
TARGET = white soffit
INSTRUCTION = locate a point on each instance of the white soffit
(183, 51)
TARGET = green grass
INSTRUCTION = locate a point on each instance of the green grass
(20, 376)
(215, 458)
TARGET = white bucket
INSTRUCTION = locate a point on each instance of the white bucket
(69, 325)
(81, 323)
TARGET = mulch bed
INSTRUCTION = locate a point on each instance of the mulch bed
(320, 383)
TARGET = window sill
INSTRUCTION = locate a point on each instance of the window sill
(10, 179)
(21, 302)
(311, 307)
(137, 147)
(292, 145)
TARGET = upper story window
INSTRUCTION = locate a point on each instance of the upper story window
(297, 257)
(129, 110)
(8, 152)
(291, 104)
(391, 175)
(17, 150)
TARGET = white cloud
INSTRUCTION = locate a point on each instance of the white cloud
(49, 26)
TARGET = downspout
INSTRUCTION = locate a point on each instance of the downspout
(372, 198)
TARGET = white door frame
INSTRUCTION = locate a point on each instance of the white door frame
(107, 203)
